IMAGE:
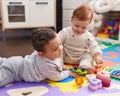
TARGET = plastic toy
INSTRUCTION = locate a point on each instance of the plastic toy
(89, 77)
(79, 80)
(102, 35)
(104, 76)
(99, 7)
(94, 83)
(114, 73)
(99, 67)
(80, 71)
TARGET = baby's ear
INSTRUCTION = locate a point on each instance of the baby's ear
(41, 54)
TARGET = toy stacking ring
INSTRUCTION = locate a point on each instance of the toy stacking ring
(79, 80)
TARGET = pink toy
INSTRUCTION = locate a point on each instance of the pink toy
(104, 76)
(94, 83)
(106, 30)
(116, 26)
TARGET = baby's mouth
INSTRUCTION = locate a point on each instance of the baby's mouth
(78, 32)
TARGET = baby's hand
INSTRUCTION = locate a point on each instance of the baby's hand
(72, 74)
(65, 67)
(90, 70)
(99, 60)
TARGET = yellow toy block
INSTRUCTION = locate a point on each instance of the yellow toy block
(103, 35)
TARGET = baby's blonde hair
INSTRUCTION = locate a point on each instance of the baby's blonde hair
(83, 13)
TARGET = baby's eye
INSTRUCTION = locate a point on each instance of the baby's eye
(84, 27)
(55, 49)
(76, 26)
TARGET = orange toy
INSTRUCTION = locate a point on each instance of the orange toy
(79, 80)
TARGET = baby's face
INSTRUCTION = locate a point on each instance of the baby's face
(79, 27)
(53, 49)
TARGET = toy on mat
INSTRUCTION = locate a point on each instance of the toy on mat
(99, 67)
(114, 72)
(80, 71)
(94, 83)
(104, 76)
(79, 80)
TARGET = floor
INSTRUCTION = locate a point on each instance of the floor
(18, 42)
(68, 87)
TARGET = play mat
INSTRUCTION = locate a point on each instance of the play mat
(68, 87)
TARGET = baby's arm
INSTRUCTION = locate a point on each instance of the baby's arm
(98, 59)
(72, 74)
(95, 49)
(56, 73)
(65, 67)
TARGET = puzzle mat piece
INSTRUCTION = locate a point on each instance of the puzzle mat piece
(85, 91)
(55, 90)
(31, 91)
(16, 85)
(109, 63)
(109, 94)
(112, 53)
(115, 48)
(104, 45)
(113, 56)
(68, 88)
(68, 84)
(110, 46)
(113, 86)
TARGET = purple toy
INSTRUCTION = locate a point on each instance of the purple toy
(94, 83)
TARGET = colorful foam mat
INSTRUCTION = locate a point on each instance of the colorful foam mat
(68, 87)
